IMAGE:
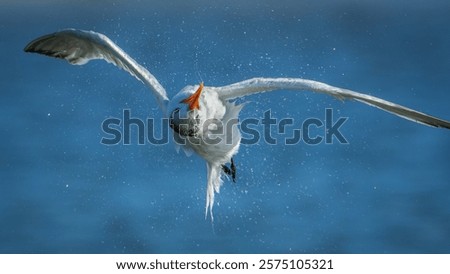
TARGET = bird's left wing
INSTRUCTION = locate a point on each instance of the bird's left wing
(79, 47)
(257, 85)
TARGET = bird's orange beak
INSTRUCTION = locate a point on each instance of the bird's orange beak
(193, 100)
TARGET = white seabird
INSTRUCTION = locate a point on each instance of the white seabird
(194, 106)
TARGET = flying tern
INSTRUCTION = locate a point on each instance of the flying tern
(195, 106)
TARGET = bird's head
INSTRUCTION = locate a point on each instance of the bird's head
(184, 111)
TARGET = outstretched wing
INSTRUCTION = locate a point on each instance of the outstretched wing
(257, 85)
(79, 47)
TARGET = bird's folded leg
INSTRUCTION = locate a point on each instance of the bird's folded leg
(233, 171)
(230, 171)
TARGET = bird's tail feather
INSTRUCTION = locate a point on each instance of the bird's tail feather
(214, 183)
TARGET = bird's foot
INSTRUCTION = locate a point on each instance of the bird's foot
(230, 171)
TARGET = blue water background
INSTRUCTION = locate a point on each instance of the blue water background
(387, 191)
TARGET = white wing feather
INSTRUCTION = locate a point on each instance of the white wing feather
(257, 85)
(79, 47)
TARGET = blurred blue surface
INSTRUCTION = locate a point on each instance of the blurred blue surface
(385, 192)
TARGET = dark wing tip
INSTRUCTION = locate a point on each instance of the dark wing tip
(44, 45)
(28, 48)
(31, 47)
(34, 45)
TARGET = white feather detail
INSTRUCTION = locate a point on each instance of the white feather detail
(214, 184)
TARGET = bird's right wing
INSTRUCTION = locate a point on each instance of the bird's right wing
(257, 85)
(79, 47)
